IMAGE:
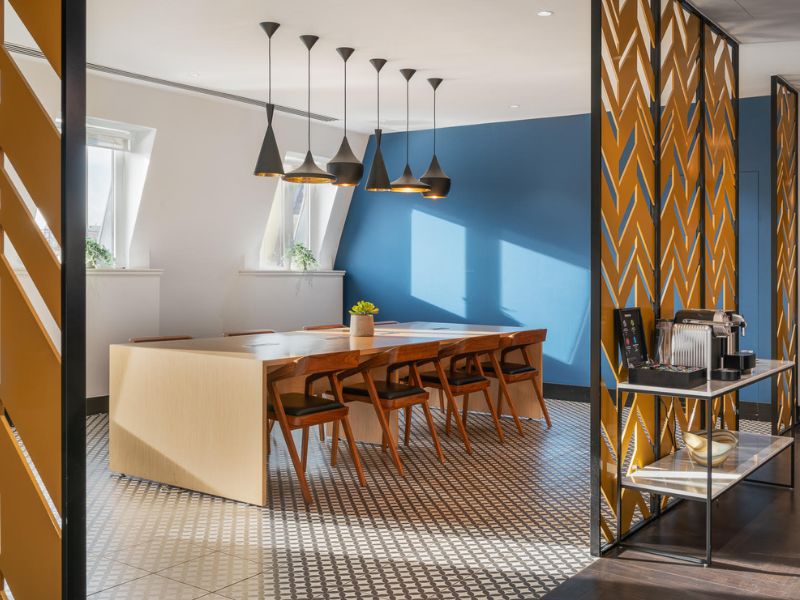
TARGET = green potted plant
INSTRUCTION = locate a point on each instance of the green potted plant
(362, 323)
(97, 255)
(301, 256)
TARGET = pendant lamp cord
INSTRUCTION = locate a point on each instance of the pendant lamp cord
(434, 122)
(379, 99)
(269, 70)
(345, 97)
(407, 113)
(309, 99)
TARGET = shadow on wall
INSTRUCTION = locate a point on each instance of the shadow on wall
(509, 246)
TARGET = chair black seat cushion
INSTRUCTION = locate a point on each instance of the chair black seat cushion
(388, 390)
(510, 368)
(456, 378)
(300, 405)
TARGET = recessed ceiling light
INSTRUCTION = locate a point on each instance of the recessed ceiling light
(545, 13)
(194, 74)
(514, 106)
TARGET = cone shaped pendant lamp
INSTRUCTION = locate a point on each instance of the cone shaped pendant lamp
(378, 180)
(309, 172)
(435, 176)
(347, 169)
(407, 183)
(269, 163)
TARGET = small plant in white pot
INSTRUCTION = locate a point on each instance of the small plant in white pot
(300, 256)
(362, 323)
(97, 255)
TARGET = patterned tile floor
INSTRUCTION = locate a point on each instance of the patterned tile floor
(509, 522)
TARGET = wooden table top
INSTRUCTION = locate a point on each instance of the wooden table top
(280, 348)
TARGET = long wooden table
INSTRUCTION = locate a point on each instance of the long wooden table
(192, 413)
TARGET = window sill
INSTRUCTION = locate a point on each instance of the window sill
(123, 272)
(287, 273)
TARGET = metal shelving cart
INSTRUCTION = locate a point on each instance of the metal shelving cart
(676, 476)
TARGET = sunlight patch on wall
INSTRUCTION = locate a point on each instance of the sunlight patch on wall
(439, 262)
(538, 290)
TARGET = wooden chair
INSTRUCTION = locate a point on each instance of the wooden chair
(466, 381)
(388, 395)
(379, 323)
(318, 327)
(303, 410)
(163, 338)
(251, 332)
(515, 372)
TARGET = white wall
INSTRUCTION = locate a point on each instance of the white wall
(203, 213)
(121, 305)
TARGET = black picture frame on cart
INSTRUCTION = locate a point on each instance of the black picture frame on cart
(631, 336)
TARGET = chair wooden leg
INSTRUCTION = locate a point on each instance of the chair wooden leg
(270, 423)
(449, 418)
(387, 438)
(322, 432)
(490, 404)
(504, 392)
(408, 426)
(351, 441)
(464, 408)
(542, 404)
(305, 448)
(434, 435)
(441, 399)
(334, 443)
(452, 404)
(298, 466)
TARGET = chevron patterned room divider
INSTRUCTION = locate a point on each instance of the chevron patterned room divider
(664, 84)
(784, 249)
(42, 280)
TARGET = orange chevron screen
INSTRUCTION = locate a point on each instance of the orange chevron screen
(667, 239)
(30, 320)
(785, 209)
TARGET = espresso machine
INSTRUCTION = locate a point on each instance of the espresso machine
(706, 338)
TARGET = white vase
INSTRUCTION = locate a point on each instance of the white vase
(362, 326)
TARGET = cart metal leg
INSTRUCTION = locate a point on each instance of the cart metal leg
(709, 503)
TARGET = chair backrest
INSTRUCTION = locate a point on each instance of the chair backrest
(524, 338)
(413, 353)
(316, 327)
(521, 341)
(251, 332)
(472, 345)
(379, 323)
(163, 338)
(331, 362)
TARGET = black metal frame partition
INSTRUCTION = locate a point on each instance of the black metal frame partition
(597, 547)
(73, 294)
(775, 81)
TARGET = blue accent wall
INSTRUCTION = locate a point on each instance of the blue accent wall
(510, 245)
(755, 231)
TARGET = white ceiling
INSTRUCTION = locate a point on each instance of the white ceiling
(755, 21)
(491, 54)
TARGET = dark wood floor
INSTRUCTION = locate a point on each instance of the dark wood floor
(756, 550)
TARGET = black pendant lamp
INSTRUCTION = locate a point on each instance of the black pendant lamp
(347, 169)
(269, 163)
(309, 172)
(435, 176)
(378, 180)
(407, 183)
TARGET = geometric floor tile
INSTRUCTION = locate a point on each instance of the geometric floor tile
(104, 573)
(213, 571)
(511, 521)
(149, 588)
(158, 554)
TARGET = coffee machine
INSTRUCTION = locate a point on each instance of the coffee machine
(723, 357)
